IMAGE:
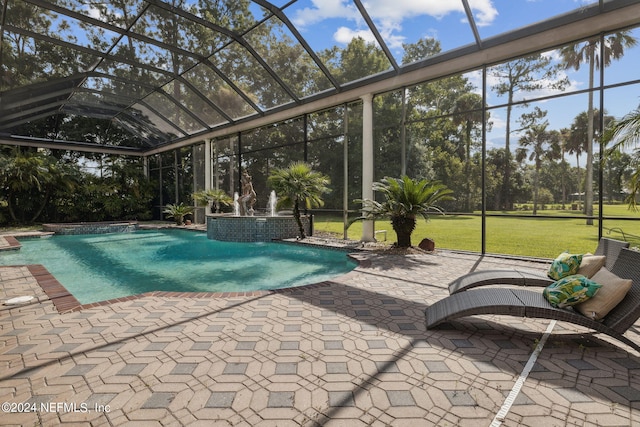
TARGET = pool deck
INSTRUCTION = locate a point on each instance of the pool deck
(353, 351)
(9, 243)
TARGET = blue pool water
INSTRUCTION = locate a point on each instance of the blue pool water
(98, 267)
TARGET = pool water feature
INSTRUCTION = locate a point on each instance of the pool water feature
(101, 267)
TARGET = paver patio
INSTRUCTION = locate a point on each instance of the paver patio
(351, 351)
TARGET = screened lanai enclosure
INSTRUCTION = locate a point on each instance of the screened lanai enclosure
(114, 109)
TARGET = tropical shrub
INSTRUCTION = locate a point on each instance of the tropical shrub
(404, 200)
(177, 212)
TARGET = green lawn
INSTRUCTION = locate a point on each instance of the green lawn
(539, 237)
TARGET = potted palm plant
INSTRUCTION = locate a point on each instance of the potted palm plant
(215, 197)
(298, 186)
(177, 212)
(405, 199)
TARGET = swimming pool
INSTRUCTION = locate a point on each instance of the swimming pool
(99, 267)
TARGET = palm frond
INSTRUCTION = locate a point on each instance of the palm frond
(405, 197)
(299, 182)
(625, 132)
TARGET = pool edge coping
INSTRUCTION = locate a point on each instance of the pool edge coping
(12, 244)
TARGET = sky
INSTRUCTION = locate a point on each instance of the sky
(329, 22)
(325, 23)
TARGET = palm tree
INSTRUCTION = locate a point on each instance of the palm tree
(575, 144)
(298, 185)
(577, 137)
(405, 199)
(214, 196)
(564, 148)
(589, 52)
(626, 133)
(544, 145)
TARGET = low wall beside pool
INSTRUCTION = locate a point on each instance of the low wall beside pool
(91, 227)
(228, 228)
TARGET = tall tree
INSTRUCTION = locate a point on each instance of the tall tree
(542, 144)
(564, 166)
(468, 113)
(597, 52)
(617, 170)
(575, 143)
(435, 141)
(578, 142)
(526, 74)
(28, 60)
(357, 60)
(28, 179)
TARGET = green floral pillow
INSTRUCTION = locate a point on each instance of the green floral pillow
(570, 290)
(565, 265)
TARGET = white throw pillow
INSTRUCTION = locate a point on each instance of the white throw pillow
(591, 264)
(613, 290)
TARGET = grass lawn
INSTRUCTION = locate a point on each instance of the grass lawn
(538, 237)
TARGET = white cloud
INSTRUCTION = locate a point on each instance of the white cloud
(475, 78)
(484, 12)
(397, 10)
(345, 35)
(94, 13)
(325, 9)
(498, 123)
(388, 15)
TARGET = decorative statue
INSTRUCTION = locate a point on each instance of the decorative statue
(248, 197)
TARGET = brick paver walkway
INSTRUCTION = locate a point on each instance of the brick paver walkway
(350, 352)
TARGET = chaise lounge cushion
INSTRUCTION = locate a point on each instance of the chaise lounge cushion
(591, 264)
(570, 290)
(613, 290)
(564, 265)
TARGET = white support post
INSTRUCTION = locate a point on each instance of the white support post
(368, 227)
(145, 166)
(208, 178)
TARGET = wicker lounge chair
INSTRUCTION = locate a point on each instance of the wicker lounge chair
(608, 247)
(530, 303)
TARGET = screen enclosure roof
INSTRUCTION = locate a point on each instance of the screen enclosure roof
(162, 74)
